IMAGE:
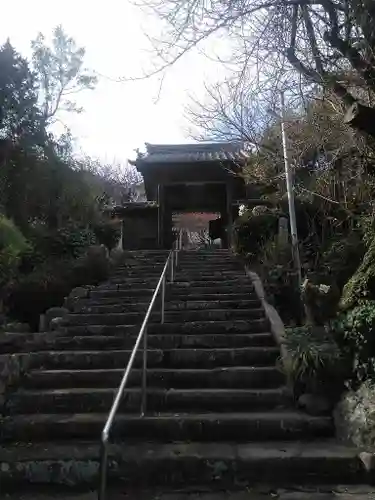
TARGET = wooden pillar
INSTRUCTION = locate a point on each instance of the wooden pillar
(120, 244)
(229, 225)
(161, 204)
(167, 228)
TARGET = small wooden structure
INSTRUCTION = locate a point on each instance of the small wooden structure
(139, 225)
(202, 177)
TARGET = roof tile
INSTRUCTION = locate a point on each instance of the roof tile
(184, 153)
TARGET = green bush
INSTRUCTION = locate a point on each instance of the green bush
(31, 259)
(276, 269)
(315, 364)
(68, 241)
(361, 286)
(48, 284)
(252, 231)
(10, 235)
(341, 259)
(91, 268)
(355, 334)
(354, 416)
(12, 245)
(32, 294)
(320, 301)
(107, 234)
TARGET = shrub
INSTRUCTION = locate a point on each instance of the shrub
(355, 415)
(342, 258)
(361, 286)
(253, 229)
(355, 334)
(32, 294)
(12, 245)
(107, 234)
(276, 268)
(68, 241)
(30, 259)
(91, 268)
(321, 302)
(315, 361)
(10, 235)
(48, 284)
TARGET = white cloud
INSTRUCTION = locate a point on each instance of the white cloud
(119, 117)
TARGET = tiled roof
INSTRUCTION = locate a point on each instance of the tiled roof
(185, 153)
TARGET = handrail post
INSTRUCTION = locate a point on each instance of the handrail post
(103, 471)
(144, 374)
(163, 301)
(172, 264)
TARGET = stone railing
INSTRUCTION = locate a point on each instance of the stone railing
(275, 322)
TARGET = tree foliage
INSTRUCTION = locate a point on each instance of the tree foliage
(51, 201)
(19, 113)
(60, 73)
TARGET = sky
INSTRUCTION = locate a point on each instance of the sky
(118, 117)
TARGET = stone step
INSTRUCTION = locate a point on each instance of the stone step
(225, 288)
(112, 291)
(135, 288)
(183, 262)
(207, 270)
(213, 304)
(211, 256)
(199, 281)
(222, 286)
(145, 254)
(220, 466)
(209, 263)
(256, 492)
(181, 271)
(135, 280)
(134, 276)
(187, 328)
(224, 378)
(272, 425)
(209, 276)
(83, 400)
(148, 252)
(170, 341)
(156, 262)
(184, 289)
(171, 300)
(165, 358)
(208, 256)
(130, 295)
(132, 318)
(146, 464)
(142, 263)
(218, 282)
(182, 265)
(182, 305)
(197, 275)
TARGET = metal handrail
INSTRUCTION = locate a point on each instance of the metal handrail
(142, 335)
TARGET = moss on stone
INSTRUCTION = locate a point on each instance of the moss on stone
(361, 286)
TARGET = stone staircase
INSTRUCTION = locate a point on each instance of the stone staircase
(219, 415)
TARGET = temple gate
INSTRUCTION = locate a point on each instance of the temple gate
(202, 177)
